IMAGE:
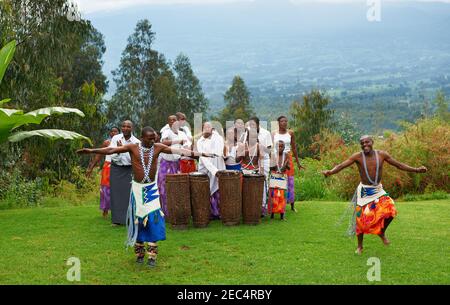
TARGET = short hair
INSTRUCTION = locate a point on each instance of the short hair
(179, 115)
(114, 127)
(366, 137)
(281, 117)
(128, 121)
(147, 129)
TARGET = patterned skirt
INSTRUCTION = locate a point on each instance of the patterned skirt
(277, 201)
(370, 217)
(105, 195)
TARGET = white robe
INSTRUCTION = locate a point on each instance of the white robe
(211, 166)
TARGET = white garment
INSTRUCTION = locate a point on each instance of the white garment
(123, 158)
(188, 144)
(168, 134)
(286, 138)
(211, 166)
(265, 138)
(231, 153)
(368, 193)
(164, 128)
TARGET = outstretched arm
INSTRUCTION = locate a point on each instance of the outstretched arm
(96, 160)
(341, 166)
(402, 166)
(181, 151)
(106, 150)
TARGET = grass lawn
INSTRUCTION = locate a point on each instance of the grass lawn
(309, 248)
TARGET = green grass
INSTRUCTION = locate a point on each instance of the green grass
(306, 249)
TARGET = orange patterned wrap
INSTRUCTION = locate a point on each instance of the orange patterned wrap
(105, 174)
(370, 217)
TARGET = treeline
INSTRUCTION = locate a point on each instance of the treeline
(58, 62)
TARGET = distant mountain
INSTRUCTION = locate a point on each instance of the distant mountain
(282, 49)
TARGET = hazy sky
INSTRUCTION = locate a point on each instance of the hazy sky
(92, 6)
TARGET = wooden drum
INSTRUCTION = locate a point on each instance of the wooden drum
(230, 191)
(200, 204)
(252, 197)
(178, 200)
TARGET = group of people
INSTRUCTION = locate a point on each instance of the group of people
(135, 170)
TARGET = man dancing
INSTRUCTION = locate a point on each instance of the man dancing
(145, 220)
(374, 209)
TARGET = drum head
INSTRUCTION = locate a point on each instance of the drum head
(228, 172)
(253, 175)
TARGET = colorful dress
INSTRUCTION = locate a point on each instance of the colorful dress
(286, 138)
(105, 190)
(277, 195)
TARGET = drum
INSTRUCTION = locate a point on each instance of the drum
(200, 204)
(230, 191)
(252, 197)
(178, 200)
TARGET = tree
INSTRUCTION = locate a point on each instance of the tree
(11, 119)
(191, 98)
(146, 89)
(237, 102)
(309, 118)
(442, 104)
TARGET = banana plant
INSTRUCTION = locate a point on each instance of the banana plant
(11, 119)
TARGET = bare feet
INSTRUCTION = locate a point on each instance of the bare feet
(105, 214)
(359, 250)
(386, 241)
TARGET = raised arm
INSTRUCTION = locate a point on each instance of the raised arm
(106, 150)
(402, 166)
(341, 166)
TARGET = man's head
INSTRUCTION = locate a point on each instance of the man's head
(207, 129)
(114, 131)
(181, 116)
(127, 128)
(366, 142)
(148, 136)
(171, 119)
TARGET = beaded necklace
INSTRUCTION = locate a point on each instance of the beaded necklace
(147, 167)
(367, 172)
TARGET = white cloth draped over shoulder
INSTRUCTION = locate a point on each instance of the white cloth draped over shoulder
(210, 166)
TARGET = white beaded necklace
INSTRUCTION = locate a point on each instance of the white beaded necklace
(147, 167)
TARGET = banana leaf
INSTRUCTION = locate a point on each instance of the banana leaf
(6, 100)
(48, 133)
(13, 118)
(6, 55)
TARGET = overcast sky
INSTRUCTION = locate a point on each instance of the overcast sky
(92, 6)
